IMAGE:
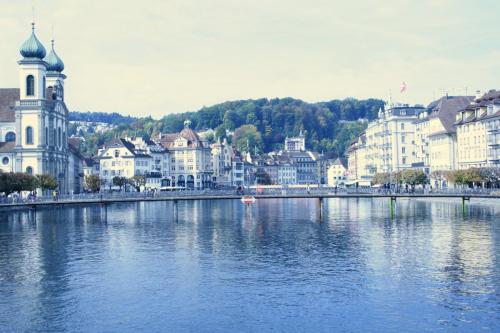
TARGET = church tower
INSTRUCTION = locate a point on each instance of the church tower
(41, 115)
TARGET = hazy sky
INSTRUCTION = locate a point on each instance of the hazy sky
(154, 57)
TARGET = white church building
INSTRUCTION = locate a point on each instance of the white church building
(34, 119)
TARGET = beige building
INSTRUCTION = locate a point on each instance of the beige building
(191, 159)
(356, 162)
(478, 132)
(435, 134)
(337, 173)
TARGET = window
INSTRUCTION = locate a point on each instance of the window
(29, 135)
(10, 137)
(403, 150)
(117, 153)
(403, 139)
(59, 137)
(43, 90)
(30, 85)
(5, 160)
(47, 136)
(402, 126)
(29, 170)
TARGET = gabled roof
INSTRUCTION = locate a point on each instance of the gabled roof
(446, 109)
(122, 143)
(8, 98)
(340, 161)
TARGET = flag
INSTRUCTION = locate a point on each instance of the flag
(403, 87)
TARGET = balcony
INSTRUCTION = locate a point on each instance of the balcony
(33, 103)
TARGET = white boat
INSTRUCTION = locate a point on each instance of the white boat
(248, 199)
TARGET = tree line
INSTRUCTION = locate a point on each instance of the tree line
(328, 126)
(13, 182)
(473, 177)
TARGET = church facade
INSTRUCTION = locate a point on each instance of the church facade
(34, 118)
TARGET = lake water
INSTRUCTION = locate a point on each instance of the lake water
(215, 266)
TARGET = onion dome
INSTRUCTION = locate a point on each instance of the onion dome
(54, 63)
(32, 48)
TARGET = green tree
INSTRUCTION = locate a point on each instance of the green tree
(381, 178)
(46, 182)
(93, 183)
(119, 181)
(16, 182)
(247, 135)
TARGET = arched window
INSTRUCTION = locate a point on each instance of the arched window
(59, 137)
(29, 170)
(29, 135)
(10, 137)
(44, 87)
(54, 137)
(30, 85)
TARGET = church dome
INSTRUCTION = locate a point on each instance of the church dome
(54, 63)
(32, 48)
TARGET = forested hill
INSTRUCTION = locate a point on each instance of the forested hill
(101, 117)
(329, 126)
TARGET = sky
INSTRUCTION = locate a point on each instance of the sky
(154, 57)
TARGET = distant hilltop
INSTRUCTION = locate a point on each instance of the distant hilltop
(328, 126)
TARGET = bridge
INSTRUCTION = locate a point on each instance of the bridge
(110, 198)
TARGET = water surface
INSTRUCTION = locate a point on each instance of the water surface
(214, 266)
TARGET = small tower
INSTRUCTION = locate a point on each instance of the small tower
(32, 68)
(55, 77)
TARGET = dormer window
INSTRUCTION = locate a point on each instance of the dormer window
(117, 153)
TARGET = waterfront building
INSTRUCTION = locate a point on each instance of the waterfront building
(75, 166)
(90, 166)
(190, 158)
(120, 158)
(390, 139)
(478, 132)
(34, 118)
(222, 154)
(356, 162)
(237, 170)
(435, 137)
(337, 173)
(159, 166)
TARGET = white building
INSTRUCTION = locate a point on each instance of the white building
(119, 158)
(390, 139)
(34, 118)
(297, 143)
(222, 154)
(191, 159)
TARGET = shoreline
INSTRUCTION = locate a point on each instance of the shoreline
(106, 201)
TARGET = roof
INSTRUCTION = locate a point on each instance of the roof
(340, 161)
(119, 143)
(194, 140)
(7, 147)
(446, 109)
(489, 98)
(8, 98)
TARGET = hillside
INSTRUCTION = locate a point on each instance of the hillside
(329, 126)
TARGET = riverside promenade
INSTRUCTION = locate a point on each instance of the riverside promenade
(110, 198)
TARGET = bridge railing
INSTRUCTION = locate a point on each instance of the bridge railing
(221, 193)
